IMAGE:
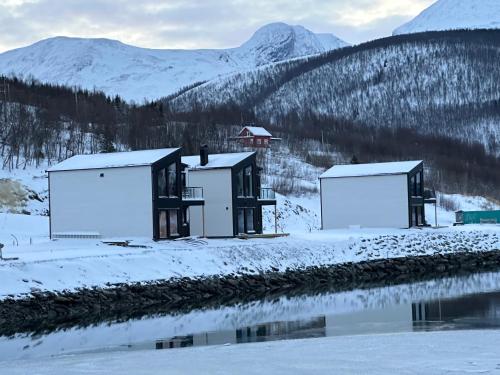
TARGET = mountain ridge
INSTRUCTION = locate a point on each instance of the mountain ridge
(136, 73)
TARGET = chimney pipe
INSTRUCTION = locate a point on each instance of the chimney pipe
(203, 155)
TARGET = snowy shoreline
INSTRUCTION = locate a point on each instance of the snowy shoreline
(67, 265)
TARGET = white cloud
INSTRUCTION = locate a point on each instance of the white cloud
(195, 23)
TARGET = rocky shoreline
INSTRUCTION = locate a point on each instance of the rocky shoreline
(47, 311)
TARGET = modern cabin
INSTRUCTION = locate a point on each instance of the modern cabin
(121, 194)
(373, 195)
(232, 193)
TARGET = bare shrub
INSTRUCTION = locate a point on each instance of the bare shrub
(319, 160)
(449, 204)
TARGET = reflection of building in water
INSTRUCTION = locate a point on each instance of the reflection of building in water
(282, 330)
(314, 327)
(480, 310)
(175, 342)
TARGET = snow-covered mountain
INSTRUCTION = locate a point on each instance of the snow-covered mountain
(446, 87)
(137, 73)
(455, 14)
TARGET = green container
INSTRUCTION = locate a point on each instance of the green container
(478, 217)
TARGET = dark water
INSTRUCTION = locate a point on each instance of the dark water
(471, 302)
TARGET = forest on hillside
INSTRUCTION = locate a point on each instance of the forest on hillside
(442, 83)
(453, 129)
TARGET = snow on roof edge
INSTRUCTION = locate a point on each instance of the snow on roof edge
(216, 161)
(258, 131)
(370, 169)
(112, 160)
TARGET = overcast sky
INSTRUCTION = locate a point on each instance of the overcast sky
(196, 23)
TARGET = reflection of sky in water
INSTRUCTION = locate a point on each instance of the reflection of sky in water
(451, 303)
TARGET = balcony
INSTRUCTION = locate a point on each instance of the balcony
(192, 194)
(267, 196)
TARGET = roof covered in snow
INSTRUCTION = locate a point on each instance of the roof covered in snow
(112, 160)
(216, 160)
(371, 169)
(258, 131)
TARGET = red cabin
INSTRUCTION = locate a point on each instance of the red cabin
(254, 136)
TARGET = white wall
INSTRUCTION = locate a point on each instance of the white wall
(217, 192)
(196, 220)
(116, 205)
(371, 202)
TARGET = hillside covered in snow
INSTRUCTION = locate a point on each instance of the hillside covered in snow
(444, 84)
(399, 98)
(453, 15)
(138, 73)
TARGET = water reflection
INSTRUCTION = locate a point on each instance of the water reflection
(478, 311)
(450, 303)
(315, 327)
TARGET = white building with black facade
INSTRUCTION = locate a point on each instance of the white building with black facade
(383, 195)
(133, 194)
(232, 192)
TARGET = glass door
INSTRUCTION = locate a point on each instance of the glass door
(168, 223)
(173, 223)
(246, 220)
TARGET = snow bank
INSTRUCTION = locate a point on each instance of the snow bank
(69, 264)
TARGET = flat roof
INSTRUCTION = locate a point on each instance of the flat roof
(259, 131)
(371, 169)
(216, 160)
(112, 160)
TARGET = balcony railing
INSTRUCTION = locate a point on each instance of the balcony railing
(194, 193)
(267, 194)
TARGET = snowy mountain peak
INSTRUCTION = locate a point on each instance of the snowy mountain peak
(455, 14)
(139, 73)
(279, 41)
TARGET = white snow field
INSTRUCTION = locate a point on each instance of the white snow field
(137, 73)
(455, 14)
(41, 264)
(457, 352)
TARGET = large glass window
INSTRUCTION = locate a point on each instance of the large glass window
(239, 184)
(168, 225)
(172, 180)
(162, 183)
(167, 181)
(418, 189)
(246, 220)
(248, 181)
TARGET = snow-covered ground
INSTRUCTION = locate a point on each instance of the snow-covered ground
(456, 352)
(68, 264)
